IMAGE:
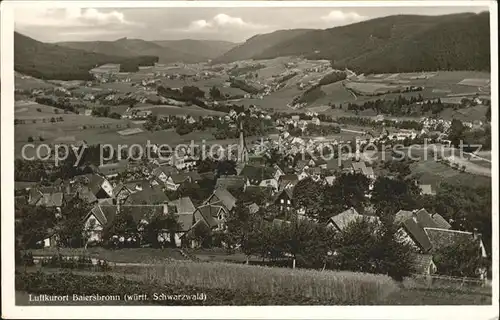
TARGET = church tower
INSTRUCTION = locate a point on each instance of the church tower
(242, 147)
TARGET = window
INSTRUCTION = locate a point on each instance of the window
(282, 201)
(288, 201)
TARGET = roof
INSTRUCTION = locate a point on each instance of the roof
(147, 196)
(86, 194)
(194, 175)
(163, 169)
(118, 188)
(425, 220)
(289, 177)
(142, 212)
(422, 262)
(230, 182)
(179, 177)
(440, 221)
(426, 189)
(418, 234)
(288, 192)
(209, 213)
(95, 183)
(343, 219)
(361, 167)
(401, 216)
(183, 205)
(185, 220)
(51, 199)
(225, 197)
(257, 173)
(441, 238)
(103, 213)
(113, 168)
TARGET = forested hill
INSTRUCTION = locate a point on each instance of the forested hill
(401, 43)
(167, 51)
(50, 61)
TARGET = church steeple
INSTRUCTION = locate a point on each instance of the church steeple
(242, 148)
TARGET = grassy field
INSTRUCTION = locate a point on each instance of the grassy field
(165, 110)
(434, 173)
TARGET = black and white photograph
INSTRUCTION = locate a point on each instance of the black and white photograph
(249, 153)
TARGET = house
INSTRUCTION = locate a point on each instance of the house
(100, 186)
(222, 197)
(287, 181)
(360, 167)
(161, 174)
(149, 196)
(48, 197)
(96, 220)
(443, 238)
(253, 208)
(176, 180)
(330, 180)
(111, 170)
(424, 264)
(86, 194)
(183, 205)
(426, 189)
(260, 176)
(340, 221)
(212, 215)
(231, 182)
(315, 121)
(284, 199)
(121, 193)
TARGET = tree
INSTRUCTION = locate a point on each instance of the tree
(226, 167)
(215, 93)
(349, 190)
(394, 193)
(242, 226)
(69, 228)
(33, 224)
(310, 195)
(30, 139)
(460, 259)
(488, 114)
(456, 132)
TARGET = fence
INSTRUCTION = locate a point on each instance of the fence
(449, 281)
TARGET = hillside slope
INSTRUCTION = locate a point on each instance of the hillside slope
(390, 44)
(50, 61)
(188, 51)
(256, 45)
(205, 49)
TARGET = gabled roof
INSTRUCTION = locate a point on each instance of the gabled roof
(148, 196)
(342, 220)
(255, 174)
(401, 216)
(418, 234)
(422, 262)
(230, 182)
(225, 198)
(119, 188)
(440, 221)
(288, 192)
(183, 205)
(51, 200)
(425, 220)
(95, 183)
(142, 212)
(441, 238)
(179, 178)
(113, 168)
(103, 213)
(209, 213)
(289, 177)
(167, 170)
(185, 220)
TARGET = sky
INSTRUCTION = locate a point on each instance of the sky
(230, 24)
